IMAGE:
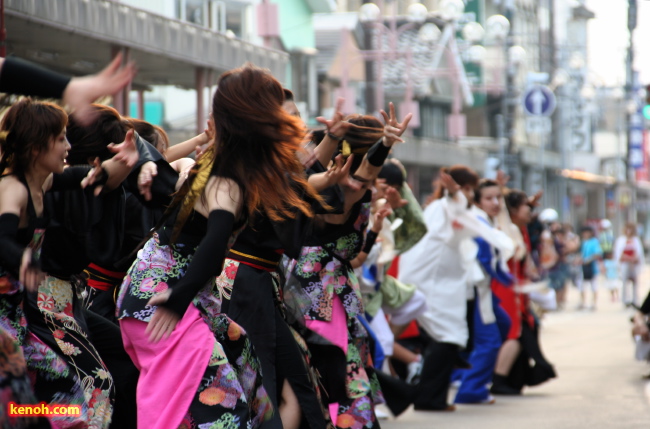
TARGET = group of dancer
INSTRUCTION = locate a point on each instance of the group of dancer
(263, 284)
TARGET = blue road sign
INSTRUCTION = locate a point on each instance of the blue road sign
(539, 100)
(636, 155)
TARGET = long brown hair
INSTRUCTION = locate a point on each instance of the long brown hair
(462, 175)
(28, 125)
(256, 144)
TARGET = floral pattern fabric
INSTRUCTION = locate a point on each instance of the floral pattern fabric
(235, 274)
(63, 365)
(230, 394)
(324, 271)
(14, 383)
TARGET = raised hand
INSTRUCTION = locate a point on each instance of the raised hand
(126, 152)
(378, 218)
(393, 129)
(502, 178)
(449, 183)
(534, 201)
(82, 91)
(394, 198)
(336, 126)
(340, 173)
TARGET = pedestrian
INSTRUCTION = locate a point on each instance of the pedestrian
(590, 255)
(629, 255)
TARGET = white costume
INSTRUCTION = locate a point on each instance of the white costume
(437, 266)
(443, 265)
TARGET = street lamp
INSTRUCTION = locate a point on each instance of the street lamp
(497, 31)
(429, 33)
(498, 27)
(516, 55)
(369, 12)
(473, 32)
(452, 10)
(417, 12)
(371, 16)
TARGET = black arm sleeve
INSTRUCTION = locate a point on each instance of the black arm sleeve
(147, 152)
(25, 78)
(371, 237)
(378, 153)
(70, 178)
(11, 252)
(207, 261)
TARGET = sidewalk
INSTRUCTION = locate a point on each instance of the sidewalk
(599, 384)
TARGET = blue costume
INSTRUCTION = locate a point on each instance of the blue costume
(489, 333)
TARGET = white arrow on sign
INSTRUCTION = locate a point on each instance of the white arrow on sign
(537, 98)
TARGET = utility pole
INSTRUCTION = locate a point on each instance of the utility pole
(629, 63)
(630, 85)
(508, 100)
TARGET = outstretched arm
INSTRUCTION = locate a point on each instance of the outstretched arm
(224, 205)
(110, 174)
(181, 150)
(22, 77)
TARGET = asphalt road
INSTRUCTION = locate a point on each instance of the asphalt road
(599, 383)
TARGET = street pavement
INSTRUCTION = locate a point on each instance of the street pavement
(599, 383)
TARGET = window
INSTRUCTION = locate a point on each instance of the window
(433, 120)
(218, 15)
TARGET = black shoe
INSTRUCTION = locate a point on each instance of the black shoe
(500, 386)
(448, 407)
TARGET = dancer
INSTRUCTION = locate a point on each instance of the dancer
(336, 338)
(443, 273)
(45, 322)
(252, 296)
(197, 365)
(490, 322)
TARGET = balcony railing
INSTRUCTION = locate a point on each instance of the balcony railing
(127, 26)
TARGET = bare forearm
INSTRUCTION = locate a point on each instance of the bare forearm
(181, 150)
(325, 150)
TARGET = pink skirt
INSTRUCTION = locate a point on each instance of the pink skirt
(170, 370)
